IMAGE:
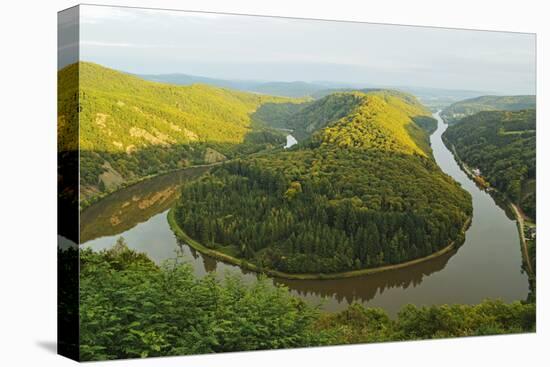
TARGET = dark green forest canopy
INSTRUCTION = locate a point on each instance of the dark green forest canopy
(455, 112)
(131, 128)
(131, 308)
(502, 145)
(361, 191)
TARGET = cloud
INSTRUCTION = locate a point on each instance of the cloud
(236, 46)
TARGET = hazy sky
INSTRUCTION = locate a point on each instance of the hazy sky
(280, 49)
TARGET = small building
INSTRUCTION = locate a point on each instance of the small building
(476, 171)
(530, 233)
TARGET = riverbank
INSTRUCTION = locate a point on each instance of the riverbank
(502, 197)
(85, 203)
(180, 234)
(96, 198)
(521, 229)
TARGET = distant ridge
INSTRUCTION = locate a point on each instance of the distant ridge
(284, 89)
(468, 107)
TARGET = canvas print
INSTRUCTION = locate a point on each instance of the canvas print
(235, 183)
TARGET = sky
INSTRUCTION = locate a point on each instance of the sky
(242, 47)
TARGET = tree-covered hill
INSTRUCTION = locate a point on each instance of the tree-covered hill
(502, 145)
(306, 118)
(468, 107)
(131, 128)
(361, 191)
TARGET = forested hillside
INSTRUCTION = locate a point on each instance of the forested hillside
(361, 191)
(468, 107)
(305, 118)
(131, 128)
(131, 308)
(502, 145)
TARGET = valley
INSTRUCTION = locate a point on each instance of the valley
(491, 239)
(131, 129)
(350, 216)
(323, 128)
(238, 183)
(497, 149)
(362, 191)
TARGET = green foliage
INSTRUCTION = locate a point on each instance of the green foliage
(491, 317)
(486, 318)
(503, 146)
(131, 308)
(361, 192)
(455, 112)
(357, 324)
(130, 128)
(277, 114)
(429, 124)
(385, 119)
(320, 113)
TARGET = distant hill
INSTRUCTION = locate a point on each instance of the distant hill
(305, 119)
(468, 107)
(285, 89)
(186, 79)
(131, 128)
(502, 145)
(361, 189)
(433, 98)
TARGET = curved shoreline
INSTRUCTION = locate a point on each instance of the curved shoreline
(97, 198)
(180, 234)
(513, 208)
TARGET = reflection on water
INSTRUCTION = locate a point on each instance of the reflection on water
(364, 289)
(124, 209)
(487, 265)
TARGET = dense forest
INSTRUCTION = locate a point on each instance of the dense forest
(305, 118)
(362, 190)
(131, 128)
(453, 113)
(502, 145)
(132, 308)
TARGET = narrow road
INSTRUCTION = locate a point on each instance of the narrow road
(519, 218)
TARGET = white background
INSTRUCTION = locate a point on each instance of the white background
(28, 182)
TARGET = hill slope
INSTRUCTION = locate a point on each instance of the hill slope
(130, 128)
(468, 107)
(502, 145)
(361, 191)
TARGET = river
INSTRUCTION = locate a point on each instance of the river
(487, 265)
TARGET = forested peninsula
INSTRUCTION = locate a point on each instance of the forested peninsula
(361, 190)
